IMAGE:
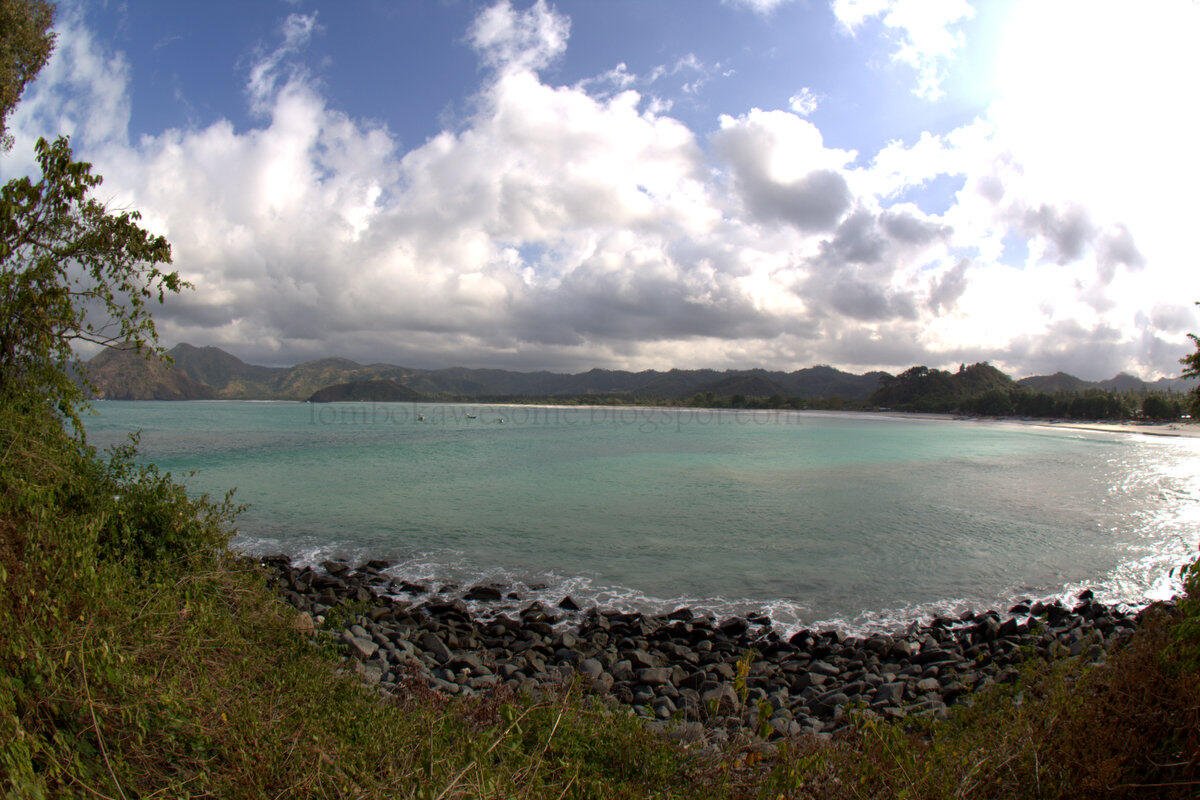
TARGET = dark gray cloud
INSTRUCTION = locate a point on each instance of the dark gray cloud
(949, 287)
(904, 226)
(1069, 231)
(1114, 249)
(550, 227)
(813, 201)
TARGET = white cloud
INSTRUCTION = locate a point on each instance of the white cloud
(926, 39)
(576, 226)
(759, 6)
(82, 91)
(804, 102)
(296, 32)
(510, 39)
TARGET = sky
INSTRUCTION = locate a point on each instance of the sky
(870, 184)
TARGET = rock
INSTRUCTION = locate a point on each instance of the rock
(928, 685)
(734, 626)
(360, 648)
(890, 693)
(435, 646)
(987, 628)
(335, 568)
(303, 623)
(683, 614)
(663, 707)
(722, 697)
(484, 593)
(370, 675)
(824, 668)
(935, 655)
(640, 659)
(465, 661)
(825, 704)
(879, 644)
(654, 676)
(568, 604)
(591, 667)
(623, 670)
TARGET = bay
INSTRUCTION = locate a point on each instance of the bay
(818, 518)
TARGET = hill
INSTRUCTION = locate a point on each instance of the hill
(225, 376)
(744, 385)
(368, 391)
(924, 389)
(1121, 382)
(130, 375)
(203, 372)
(1058, 382)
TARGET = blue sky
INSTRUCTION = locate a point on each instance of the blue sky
(779, 183)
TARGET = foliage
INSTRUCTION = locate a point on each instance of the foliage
(137, 659)
(1126, 729)
(71, 272)
(1191, 365)
(924, 389)
(174, 673)
(1160, 407)
(25, 45)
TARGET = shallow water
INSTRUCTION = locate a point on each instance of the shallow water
(819, 518)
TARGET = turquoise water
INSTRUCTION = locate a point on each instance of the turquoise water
(815, 517)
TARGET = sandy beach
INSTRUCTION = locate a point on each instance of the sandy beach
(1184, 429)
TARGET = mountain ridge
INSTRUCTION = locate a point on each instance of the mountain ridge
(212, 373)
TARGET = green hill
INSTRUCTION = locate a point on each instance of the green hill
(227, 377)
(368, 391)
(924, 389)
(1058, 382)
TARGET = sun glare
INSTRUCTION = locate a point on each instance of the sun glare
(1096, 96)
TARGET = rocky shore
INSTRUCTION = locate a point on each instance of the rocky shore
(694, 676)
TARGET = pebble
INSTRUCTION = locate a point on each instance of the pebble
(682, 668)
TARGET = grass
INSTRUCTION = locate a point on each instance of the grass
(139, 658)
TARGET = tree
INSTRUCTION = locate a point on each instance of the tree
(1191, 365)
(25, 45)
(1157, 407)
(71, 271)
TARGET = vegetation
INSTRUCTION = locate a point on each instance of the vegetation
(71, 272)
(1191, 364)
(982, 389)
(24, 49)
(140, 658)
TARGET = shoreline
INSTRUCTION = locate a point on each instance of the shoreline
(1177, 428)
(695, 676)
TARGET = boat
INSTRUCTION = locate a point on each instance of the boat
(471, 416)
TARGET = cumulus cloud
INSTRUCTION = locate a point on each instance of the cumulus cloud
(571, 226)
(782, 170)
(529, 40)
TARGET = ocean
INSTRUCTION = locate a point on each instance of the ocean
(819, 519)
